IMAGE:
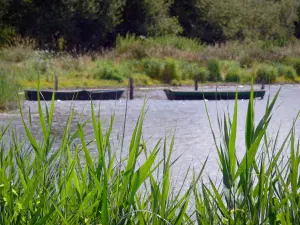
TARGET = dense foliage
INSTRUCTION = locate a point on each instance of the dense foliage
(91, 24)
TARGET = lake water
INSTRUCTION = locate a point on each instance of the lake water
(188, 119)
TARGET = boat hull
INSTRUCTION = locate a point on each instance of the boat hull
(81, 95)
(211, 95)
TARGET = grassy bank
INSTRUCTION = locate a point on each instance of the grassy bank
(151, 62)
(40, 184)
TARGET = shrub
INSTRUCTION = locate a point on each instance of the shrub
(175, 82)
(246, 76)
(132, 45)
(214, 70)
(294, 62)
(232, 71)
(233, 75)
(266, 73)
(188, 70)
(246, 61)
(287, 71)
(152, 67)
(108, 71)
(202, 74)
(170, 71)
(112, 74)
(141, 79)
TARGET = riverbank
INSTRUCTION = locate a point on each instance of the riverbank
(171, 61)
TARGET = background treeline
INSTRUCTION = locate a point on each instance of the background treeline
(92, 24)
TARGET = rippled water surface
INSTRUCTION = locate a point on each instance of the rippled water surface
(188, 119)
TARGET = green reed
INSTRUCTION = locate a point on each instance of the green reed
(43, 184)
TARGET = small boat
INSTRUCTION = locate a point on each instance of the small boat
(69, 95)
(212, 95)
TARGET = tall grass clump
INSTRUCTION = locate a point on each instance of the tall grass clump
(108, 71)
(214, 68)
(201, 74)
(294, 62)
(287, 71)
(9, 88)
(266, 73)
(170, 71)
(177, 42)
(233, 75)
(232, 70)
(130, 42)
(152, 67)
(18, 50)
(166, 70)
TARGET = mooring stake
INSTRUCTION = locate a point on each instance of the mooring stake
(56, 83)
(131, 88)
(196, 84)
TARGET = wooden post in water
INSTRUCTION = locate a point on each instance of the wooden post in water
(56, 83)
(263, 85)
(196, 84)
(131, 88)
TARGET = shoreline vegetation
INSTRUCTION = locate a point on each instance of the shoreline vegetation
(42, 184)
(168, 60)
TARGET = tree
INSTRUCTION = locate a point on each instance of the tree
(80, 23)
(193, 17)
(6, 32)
(148, 17)
(221, 20)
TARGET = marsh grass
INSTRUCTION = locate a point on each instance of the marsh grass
(8, 90)
(43, 184)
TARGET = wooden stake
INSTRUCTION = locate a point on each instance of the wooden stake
(196, 84)
(56, 83)
(263, 85)
(131, 87)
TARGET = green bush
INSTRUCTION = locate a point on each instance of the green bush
(202, 74)
(232, 71)
(193, 71)
(170, 71)
(108, 71)
(294, 62)
(247, 76)
(133, 45)
(175, 82)
(228, 64)
(214, 68)
(287, 71)
(152, 67)
(266, 73)
(233, 75)
(141, 79)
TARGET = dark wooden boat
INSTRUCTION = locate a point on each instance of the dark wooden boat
(212, 95)
(69, 95)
